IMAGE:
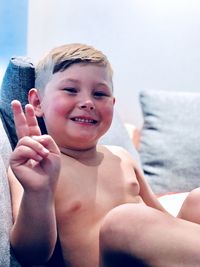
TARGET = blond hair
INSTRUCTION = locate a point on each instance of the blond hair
(60, 58)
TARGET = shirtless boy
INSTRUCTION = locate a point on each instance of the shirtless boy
(66, 187)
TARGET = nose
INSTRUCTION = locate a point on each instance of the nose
(87, 105)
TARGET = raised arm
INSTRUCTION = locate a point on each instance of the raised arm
(146, 193)
(35, 167)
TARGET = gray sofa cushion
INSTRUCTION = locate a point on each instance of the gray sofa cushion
(170, 140)
(5, 204)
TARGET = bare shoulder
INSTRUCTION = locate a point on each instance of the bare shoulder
(117, 151)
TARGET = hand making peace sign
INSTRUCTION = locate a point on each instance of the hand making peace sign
(36, 158)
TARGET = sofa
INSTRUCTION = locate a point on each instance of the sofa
(167, 148)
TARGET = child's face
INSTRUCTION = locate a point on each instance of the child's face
(78, 104)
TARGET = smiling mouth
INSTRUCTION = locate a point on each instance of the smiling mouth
(84, 120)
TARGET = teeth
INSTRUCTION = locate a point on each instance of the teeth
(84, 120)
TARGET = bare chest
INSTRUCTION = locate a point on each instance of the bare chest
(84, 196)
(90, 192)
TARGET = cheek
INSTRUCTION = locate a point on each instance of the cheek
(107, 112)
(55, 106)
(108, 107)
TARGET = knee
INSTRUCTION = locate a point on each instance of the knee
(193, 197)
(189, 210)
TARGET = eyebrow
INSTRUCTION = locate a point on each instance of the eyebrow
(69, 80)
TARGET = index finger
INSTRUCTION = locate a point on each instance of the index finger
(25, 123)
(20, 121)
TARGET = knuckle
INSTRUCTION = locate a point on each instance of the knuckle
(23, 140)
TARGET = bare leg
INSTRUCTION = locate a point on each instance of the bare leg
(139, 232)
(190, 209)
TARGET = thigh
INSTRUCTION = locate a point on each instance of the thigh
(154, 237)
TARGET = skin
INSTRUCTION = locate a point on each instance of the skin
(148, 234)
(64, 184)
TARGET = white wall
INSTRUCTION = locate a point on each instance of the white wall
(152, 44)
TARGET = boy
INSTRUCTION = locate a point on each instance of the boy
(63, 184)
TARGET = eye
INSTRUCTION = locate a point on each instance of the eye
(70, 90)
(100, 94)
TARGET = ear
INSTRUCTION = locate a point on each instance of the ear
(114, 99)
(35, 100)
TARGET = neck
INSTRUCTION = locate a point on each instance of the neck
(82, 154)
